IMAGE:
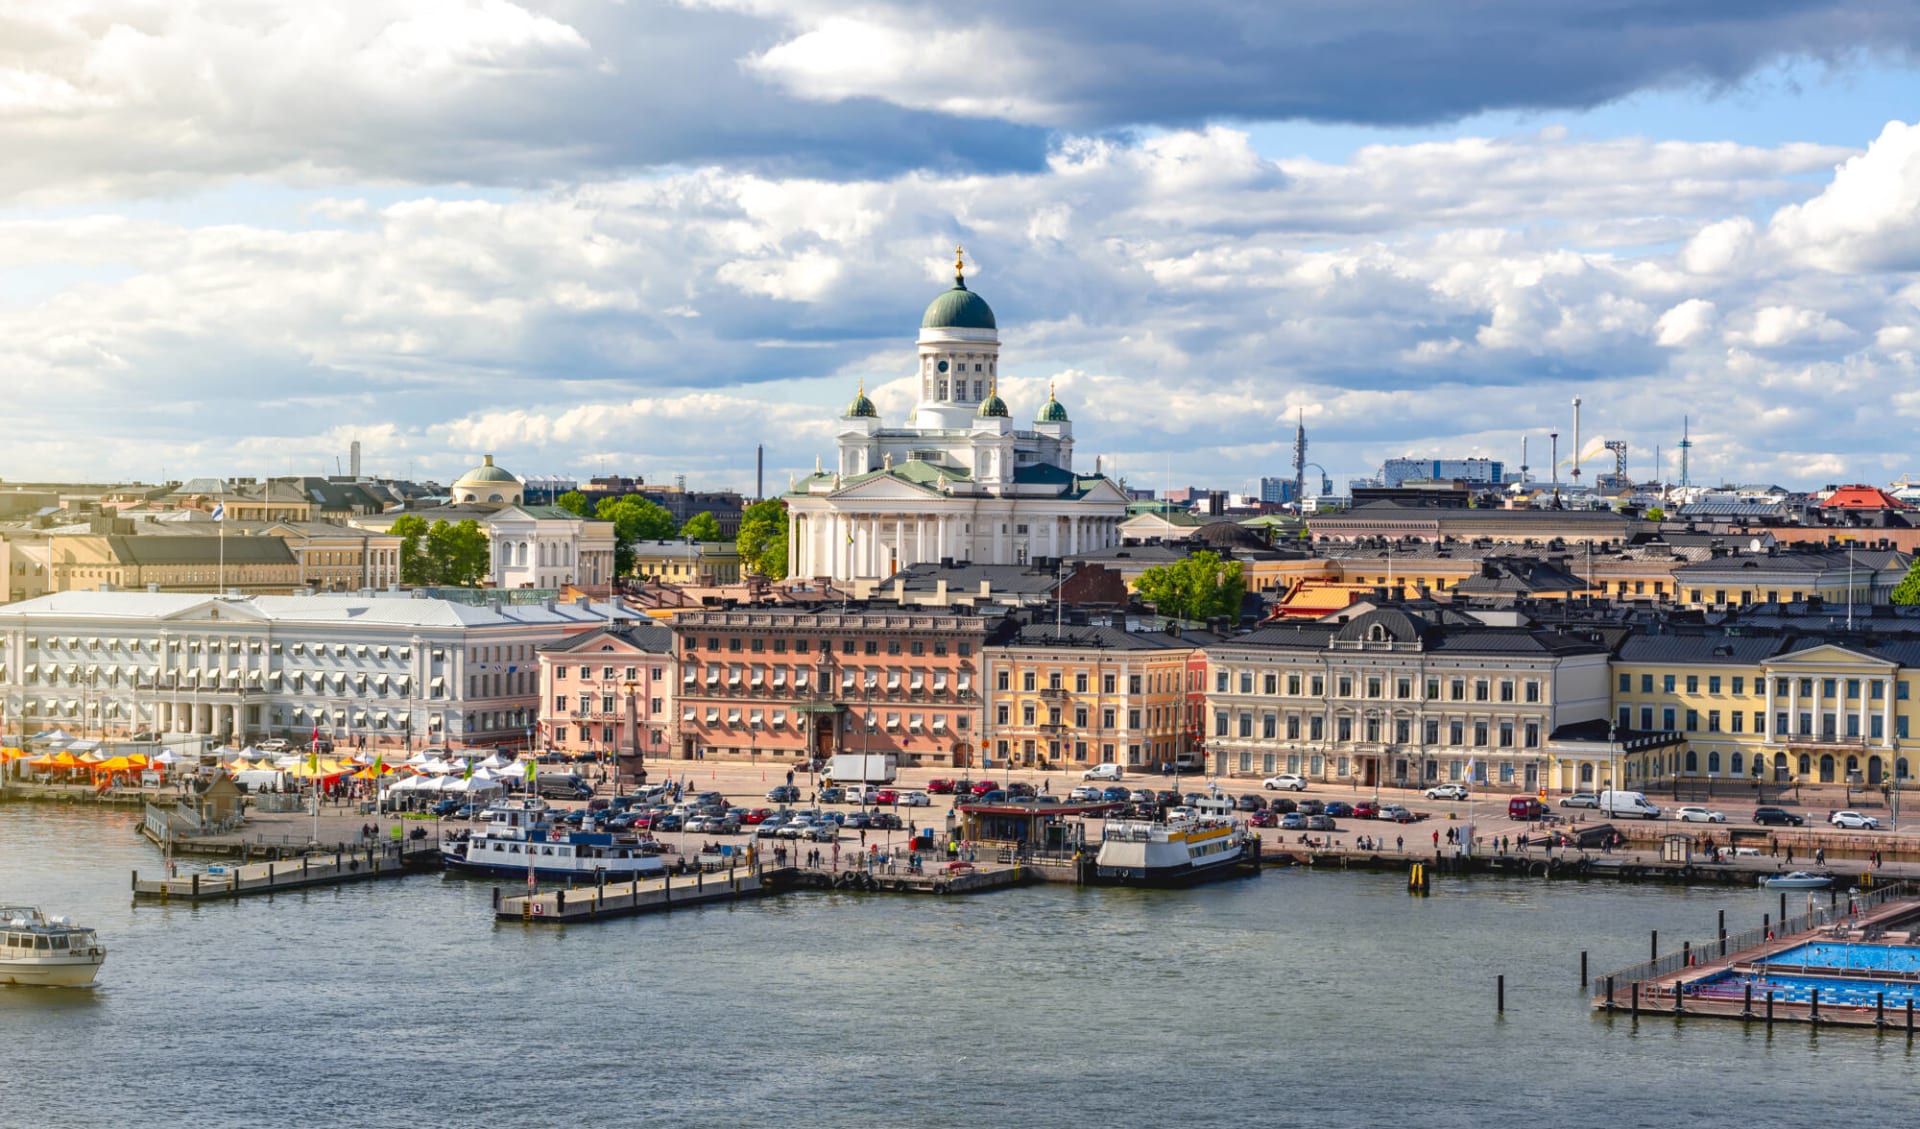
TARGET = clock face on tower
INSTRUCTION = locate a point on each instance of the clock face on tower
(942, 366)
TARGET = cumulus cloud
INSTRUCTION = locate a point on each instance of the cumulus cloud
(1868, 218)
(1419, 297)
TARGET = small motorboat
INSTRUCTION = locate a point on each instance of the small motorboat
(36, 949)
(1798, 880)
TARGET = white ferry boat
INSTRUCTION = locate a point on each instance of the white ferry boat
(1178, 852)
(48, 951)
(520, 832)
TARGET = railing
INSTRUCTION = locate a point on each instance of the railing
(1715, 947)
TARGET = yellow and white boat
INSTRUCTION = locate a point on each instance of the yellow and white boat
(1178, 852)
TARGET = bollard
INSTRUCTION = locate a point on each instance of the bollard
(1500, 997)
(1679, 997)
(1654, 947)
(136, 882)
(1686, 954)
(1636, 999)
(1766, 925)
(1783, 909)
(496, 899)
(1909, 1019)
(560, 903)
(1609, 993)
(1814, 1015)
(269, 874)
(1723, 932)
(196, 885)
(1769, 1007)
(1879, 1010)
(1746, 1007)
(1583, 970)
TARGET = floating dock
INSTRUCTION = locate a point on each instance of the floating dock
(624, 899)
(279, 876)
(1852, 963)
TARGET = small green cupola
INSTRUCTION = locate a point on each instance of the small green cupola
(1053, 411)
(862, 408)
(993, 407)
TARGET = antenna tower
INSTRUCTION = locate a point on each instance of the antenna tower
(1300, 459)
(1686, 444)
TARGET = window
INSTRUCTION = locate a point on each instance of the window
(1693, 720)
(1533, 734)
(1220, 723)
(1027, 681)
(1506, 691)
(1270, 683)
(1433, 689)
(1738, 721)
(1646, 684)
(1432, 732)
(1219, 682)
(1343, 729)
(1004, 680)
(1693, 684)
(1346, 686)
(1666, 684)
(1079, 683)
(1268, 726)
(1246, 724)
(1457, 690)
(1246, 683)
(1293, 685)
(1739, 687)
(1293, 728)
(1506, 734)
(1456, 733)
(1316, 728)
(1666, 718)
(1480, 733)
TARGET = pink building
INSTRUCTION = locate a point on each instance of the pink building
(610, 692)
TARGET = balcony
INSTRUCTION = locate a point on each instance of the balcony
(1054, 694)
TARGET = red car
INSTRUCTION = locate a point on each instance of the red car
(757, 815)
(985, 786)
(887, 796)
(1366, 809)
(1263, 818)
(940, 787)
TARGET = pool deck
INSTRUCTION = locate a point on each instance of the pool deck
(1671, 985)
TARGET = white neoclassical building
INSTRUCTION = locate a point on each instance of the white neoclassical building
(957, 481)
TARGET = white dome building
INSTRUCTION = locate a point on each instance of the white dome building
(959, 482)
(488, 483)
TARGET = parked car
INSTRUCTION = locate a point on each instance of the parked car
(1287, 781)
(1581, 800)
(467, 811)
(1086, 793)
(1854, 821)
(1022, 788)
(858, 821)
(1142, 796)
(1340, 809)
(1321, 823)
(1115, 795)
(1397, 814)
(994, 797)
(1265, 818)
(1366, 809)
(885, 821)
(1525, 808)
(940, 787)
(915, 800)
(757, 815)
(1249, 802)
(1447, 792)
(833, 795)
(1106, 770)
(982, 787)
(445, 808)
(1165, 797)
(1311, 807)
(1280, 805)
(1292, 821)
(1777, 817)
(886, 796)
(783, 794)
(1694, 814)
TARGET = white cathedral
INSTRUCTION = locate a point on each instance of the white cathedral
(957, 482)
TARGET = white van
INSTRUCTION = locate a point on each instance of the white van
(1106, 770)
(1627, 804)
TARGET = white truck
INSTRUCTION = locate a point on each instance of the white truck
(863, 769)
(1627, 804)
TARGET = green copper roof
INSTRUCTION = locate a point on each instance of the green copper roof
(958, 308)
(487, 472)
(993, 406)
(1053, 411)
(862, 408)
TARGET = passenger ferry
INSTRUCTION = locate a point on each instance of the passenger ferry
(47, 951)
(1181, 851)
(516, 833)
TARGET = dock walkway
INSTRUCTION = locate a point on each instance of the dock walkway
(624, 899)
(365, 864)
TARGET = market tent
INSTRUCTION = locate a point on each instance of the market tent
(166, 757)
(62, 759)
(475, 786)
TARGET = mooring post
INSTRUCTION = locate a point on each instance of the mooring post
(1723, 932)
(1679, 996)
(1636, 999)
(1583, 970)
(1500, 988)
(496, 899)
(1909, 1018)
(1783, 909)
(1769, 1007)
(1686, 954)
(196, 885)
(1609, 993)
(1746, 1007)
(1879, 1010)
(1766, 925)
(1653, 949)
(136, 882)
(1814, 1015)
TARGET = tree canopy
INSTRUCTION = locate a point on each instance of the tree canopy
(1199, 587)
(702, 526)
(443, 553)
(575, 503)
(1908, 590)
(634, 519)
(763, 539)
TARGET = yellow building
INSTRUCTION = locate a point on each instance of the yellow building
(253, 565)
(1072, 696)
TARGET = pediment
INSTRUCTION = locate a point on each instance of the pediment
(885, 488)
(216, 611)
(1829, 654)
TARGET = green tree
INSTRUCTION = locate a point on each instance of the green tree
(1198, 587)
(702, 527)
(575, 503)
(634, 519)
(416, 568)
(1908, 590)
(763, 539)
(459, 552)
(1655, 513)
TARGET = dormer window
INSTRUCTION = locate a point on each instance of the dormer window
(1377, 633)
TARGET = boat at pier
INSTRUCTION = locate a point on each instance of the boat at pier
(1798, 880)
(47, 951)
(520, 835)
(1177, 852)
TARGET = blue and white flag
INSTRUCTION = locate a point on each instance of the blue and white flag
(219, 511)
(1470, 778)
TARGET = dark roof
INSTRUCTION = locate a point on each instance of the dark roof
(1111, 638)
(647, 635)
(1602, 731)
(206, 549)
(1713, 647)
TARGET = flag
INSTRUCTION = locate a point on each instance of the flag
(219, 511)
(1469, 770)
(313, 761)
(533, 768)
(849, 534)
(469, 772)
(379, 763)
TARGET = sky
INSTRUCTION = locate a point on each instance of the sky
(642, 237)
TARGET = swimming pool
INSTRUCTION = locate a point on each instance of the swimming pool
(1731, 985)
(1835, 954)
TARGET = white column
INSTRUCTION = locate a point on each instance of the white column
(1793, 704)
(1886, 714)
(999, 541)
(1767, 724)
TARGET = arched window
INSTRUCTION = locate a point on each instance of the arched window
(1806, 764)
(1377, 633)
(1693, 763)
(1740, 764)
(1713, 762)
(1586, 776)
(1900, 769)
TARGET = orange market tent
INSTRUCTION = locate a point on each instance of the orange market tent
(61, 759)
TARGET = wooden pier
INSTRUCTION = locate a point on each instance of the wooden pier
(624, 899)
(973, 879)
(281, 875)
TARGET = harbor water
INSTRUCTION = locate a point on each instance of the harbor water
(1292, 998)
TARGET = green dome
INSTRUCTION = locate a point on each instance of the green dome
(1053, 411)
(958, 308)
(994, 406)
(487, 472)
(862, 408)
